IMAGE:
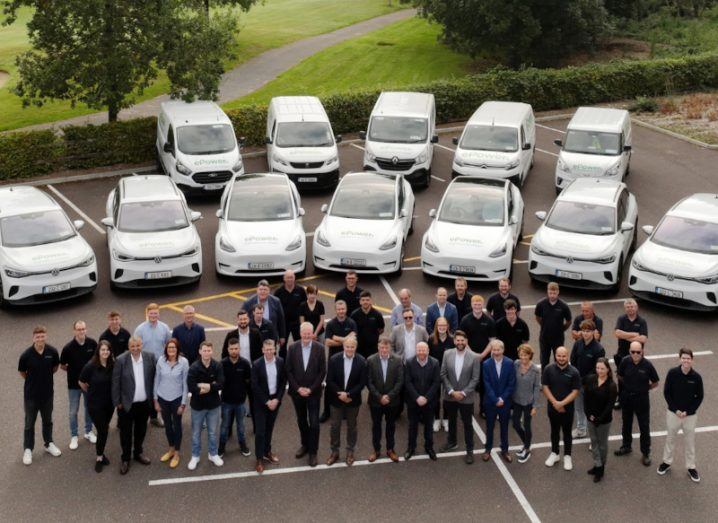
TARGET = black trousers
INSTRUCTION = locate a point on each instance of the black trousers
(547, 349)
(326, 411)
(452, 408)
(423, 415)
(32, 408)
(523, 430)
(264, 427)
(561, 422)
(640, 405)
(307, 410)
(379, 413)
(101, 419)
(133, 427)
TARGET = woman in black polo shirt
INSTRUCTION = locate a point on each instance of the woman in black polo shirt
(312, 311)
(599, 394)
(96, 381)
(439, 342)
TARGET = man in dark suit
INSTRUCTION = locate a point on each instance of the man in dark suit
(422, 382)
(306, 368)
(499, 385)
(385, 381)
(346, 378)
(272, 309)
(133, 379)
(268, 382)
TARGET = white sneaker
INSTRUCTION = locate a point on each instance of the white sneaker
(567, 463)
(552, 459)
(216, 460)
(27, 457)
(193, 463)
(445, 424)
(437, 425)
(52, 449)
(73, 443)
(90, 436)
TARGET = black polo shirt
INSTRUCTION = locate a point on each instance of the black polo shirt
(119, 342)
(236, 380)
(683, 391)
(463, 306)
(623, 323)
(339, 328)
(584, 357)
(350, 297)
(552, 317)
(495, 305)
(368, 327)
(561, 382)
(512, 335)
(99, 380)
(636, 378)
(76, 356)
(267, 331)
(478, 331)
(39, 368)
(579, 319)
(291, 300)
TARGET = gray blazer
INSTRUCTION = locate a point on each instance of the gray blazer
(468, 379)
(397, 338)
(123, 379)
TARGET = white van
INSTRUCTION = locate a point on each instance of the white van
(196, 146)
(597, 145)
(301, 143)
(401, 136)
(498, 142)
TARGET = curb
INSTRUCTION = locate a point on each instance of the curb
(674, 134)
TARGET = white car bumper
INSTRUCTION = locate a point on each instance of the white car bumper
(563, 178)
(170, 271)
(474, 268)
(274, 264)
(361, 261)
(44, 288)
(581, 274)
(416, 172)
(470, 170)
(676, 292)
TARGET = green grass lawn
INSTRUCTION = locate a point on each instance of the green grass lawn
(403, 53)
(266, 26)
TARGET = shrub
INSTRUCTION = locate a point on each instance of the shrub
(644, 105)
(25, 154)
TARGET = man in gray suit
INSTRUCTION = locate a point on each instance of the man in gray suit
(460, 371)
(404, 337)
(133, 379)
(385, 383)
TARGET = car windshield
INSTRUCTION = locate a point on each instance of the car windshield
(490, 138)
(583, 218)
(205, 139)
(152, 216)
(395, 129)
(473, 204)
(366, 201)
(687, 235)
(36, 228)
(592, 142)
(260, 204)
(304, 134)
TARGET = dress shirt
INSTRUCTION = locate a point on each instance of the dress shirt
(459, 363)
(271, 375)
(442, 308)
(498, 364)
(264, 304)
(306, 350)
(154, 337)
(384, 366)
(409, 343)
(171, 380)
(244, 351)
(138, 369)
(423, 363)
(347, 369)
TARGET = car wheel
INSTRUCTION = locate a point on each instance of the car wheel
(427, 182)
(558, 191)
(401, 260)
(619, 276)
(3, 303)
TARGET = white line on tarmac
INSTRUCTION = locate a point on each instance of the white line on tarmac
(309, 234)
(389, 290)
(550, 128)
(445, 147)
(615, 300)
(546, 152)
(358, 147)
(521, 261)
(437, 178)
(411, 268)
(76, 209)
(666, 356)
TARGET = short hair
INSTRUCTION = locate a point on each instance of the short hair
(630, 301)
(408, 309)
(39, 329)
(312, 289)
(306, 324)
(152, 307)
(552, 286)
(384, 339)
(188, 308)
(340, 302)
(506, 279)
(242, 312)
(263, 283)
(510, 304)
(232, 341)
(74, 323)
(113, 314)
(351, 273)
(526, 349)
(496, 342)
(587, 325)
(477, 297)
(687, 352)
(350, 339)
(134, 339)
(460, 333)
(258, 307)
(365, 294)
(206, 343)
(176, 344)
(268, 341)
(461, 279)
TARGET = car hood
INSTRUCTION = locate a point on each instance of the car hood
(306, 154)
(348, 233)
(488, 158)
(675, 261)
(573, 244)
(261, 236)
(165, 243)
(588, 164)
(48, 256)
(403, 151)
(210, 162)
(466, 240)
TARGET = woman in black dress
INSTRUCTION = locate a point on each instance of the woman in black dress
(312, 311)
(439, 341)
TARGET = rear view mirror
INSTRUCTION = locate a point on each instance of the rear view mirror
(403, 213)
(455, 140)
(219, 213)
(241, 140)
(432, 213)
(79, 224)
(435, 139)
(513, 220)
(338, 138)
(627, 148)
(626, 226)
(268, 140)
(107, 222)
(527, 147)
(301, 211)
(168, 148)
(648, 229)
(558, 142)
(324, 208)
(195, 215)
(362, 135)
(541, 215)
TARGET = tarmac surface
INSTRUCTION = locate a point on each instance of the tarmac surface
(664, 170)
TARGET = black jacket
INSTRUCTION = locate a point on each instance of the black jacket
(212, 374)
(598, 401)
(237, 380)
(355, 384)
(255, 342)
(313, 376)
(260, 385)
(394, 380)
(683, 392)
(422, 381)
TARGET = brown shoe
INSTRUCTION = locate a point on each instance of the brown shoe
(142, 459)
(350, 458)
(259, 467)
(333, 458)
(372, 457)
(271, 458)
(392, 455)
(507, 457)
(486, 456)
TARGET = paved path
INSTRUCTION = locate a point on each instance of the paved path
(254, 73)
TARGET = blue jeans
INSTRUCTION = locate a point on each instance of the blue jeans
(199, 417)
(74, 401)
(238, 411)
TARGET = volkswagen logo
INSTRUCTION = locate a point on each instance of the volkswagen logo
(670, 277)
(395, 160)
(569, 260)
(55, 272)
(306, 164)
(158, 259)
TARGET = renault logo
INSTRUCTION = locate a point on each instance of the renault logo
(395, 160)
(212, 175)
(158, 259)
(55, 272)
(670, 277)
(569, 260)
(484, 166)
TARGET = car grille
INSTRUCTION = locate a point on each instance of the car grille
(388, 164)
(306, 165)
(212, 177)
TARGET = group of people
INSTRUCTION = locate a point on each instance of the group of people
(435, 364)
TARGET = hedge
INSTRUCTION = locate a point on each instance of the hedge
(26, 154)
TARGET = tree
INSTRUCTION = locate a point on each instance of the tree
(518, 32)
(106, 52)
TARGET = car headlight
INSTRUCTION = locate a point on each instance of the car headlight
(638, 266)
(88, 261)
(121, 256)
(225, 245)
(331, 160)
(512, 165)
(458, 160)
(389, 244)
(431, 246)
(278, 159)
(501, 251)
(562, 165)
(193, 251)
(237, 166)
(296, 243)
(16, 273)
(369, 156)
(182, 168)
(423, 157)
(613, 170)
(708, 280)
(537, 250)
(605, 259)
(321, 240)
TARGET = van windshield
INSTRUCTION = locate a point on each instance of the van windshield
(37, 228)
(593, 142)
(395, 129)
(490, 138)
(304, 134)
(205, 139)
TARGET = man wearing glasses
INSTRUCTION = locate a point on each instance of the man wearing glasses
(405, 337)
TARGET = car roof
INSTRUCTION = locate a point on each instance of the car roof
(23, 199)
(194, 113)
(699, 206)
(148, 187)
(299, 109)
(500, 113)
(260, 180)
(602, 119)
(592, 190)
(363, 178)
(398, 103)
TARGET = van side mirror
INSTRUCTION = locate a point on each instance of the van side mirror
(219, 213)
(168, 148)
(541, 215)
(403, 213)
(455, 140)
(362, 135)
(648, 229)
(324, 208)
(432, 213)
(626, 148)
(527, 147)
(242, 140)
(79, 224)
(268, 140)
(513, 220)
(435, 138)
(626, 226)
(195, 215)
(301, 211)
(107, 222)
(338, 138)
(558, 142)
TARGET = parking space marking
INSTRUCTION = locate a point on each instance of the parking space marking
(521, 261)
(389, 290)
(444, 147)
(205, 318)
(358, 147)
(411, 268)
(76, 209)
(546, 152)
(572, 303)
(413, 258)
(437, 178)
(528, 236)
(526, 243)
(667, 356)
(550, 128)
(309, 234)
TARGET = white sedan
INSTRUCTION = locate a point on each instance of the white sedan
(475, 230)
(366, 224)
(260, 227)
(42, 256)
(678, 264)
(151, 235)
(586, 236)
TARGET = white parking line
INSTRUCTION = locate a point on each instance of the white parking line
(76, 209)
(437, 178)
(615, 300)
(550, 128)
(546, 152)
(521, 261)
(389, 290)
(445, 147)
(358, 147)
(666, 356)
(309, 234)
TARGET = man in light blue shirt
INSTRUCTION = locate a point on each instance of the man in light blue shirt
(406, 303)
(154, 335)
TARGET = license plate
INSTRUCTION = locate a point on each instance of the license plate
(310, 179)
(261, 265)
(570, 275)
(466, 269)
(59, 287)
(158, 275)
(669, 292)
(353, 262)
(213, 186)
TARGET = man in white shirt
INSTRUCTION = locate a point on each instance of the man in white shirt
(268, 383)
(405, 337)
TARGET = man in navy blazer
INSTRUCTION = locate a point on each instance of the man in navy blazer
(268, 383)
(499, 385)
(441, 307)
(272, 309)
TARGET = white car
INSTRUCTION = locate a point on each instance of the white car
(475, 230)
(586, 236)
(366, 224)
(151, 234)
(678, 264)
(260, 227)
(42, 256)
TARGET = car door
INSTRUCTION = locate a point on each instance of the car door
(622, 216)
(168, 157)
(298, 205)
(113, 208)
(516, 211)
(408, 205)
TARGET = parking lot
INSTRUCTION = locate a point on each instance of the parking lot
(663, 170)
